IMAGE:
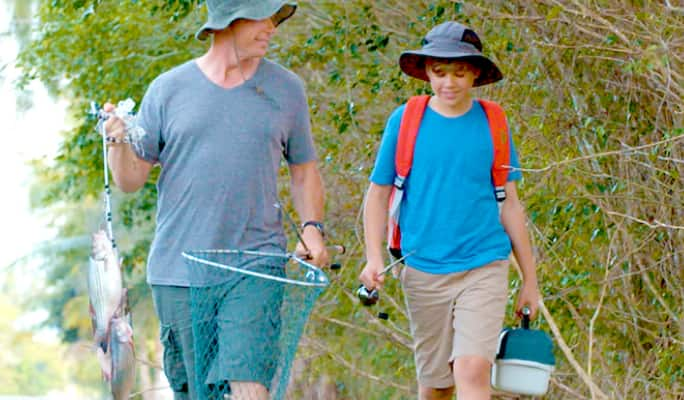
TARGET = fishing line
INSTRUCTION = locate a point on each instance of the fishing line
(133, 136)
(107, 189)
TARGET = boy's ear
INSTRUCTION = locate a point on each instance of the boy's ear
(476, 69)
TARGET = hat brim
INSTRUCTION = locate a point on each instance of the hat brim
(413, 64)
(280, 11)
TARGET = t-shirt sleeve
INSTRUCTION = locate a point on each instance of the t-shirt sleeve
(515, 174)
(384, 170)
(150, 119)
(299, 146)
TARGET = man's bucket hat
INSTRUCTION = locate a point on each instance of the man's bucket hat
(223, 12)
(450, 40)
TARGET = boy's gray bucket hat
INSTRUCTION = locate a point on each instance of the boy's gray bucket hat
(450, 40)
(223, 12)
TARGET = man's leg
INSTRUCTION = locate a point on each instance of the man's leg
(172, 305)
(248, 323)
(248, 391)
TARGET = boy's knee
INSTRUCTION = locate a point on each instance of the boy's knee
(471, 371)
(428, 393)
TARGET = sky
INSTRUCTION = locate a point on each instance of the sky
(29, 135)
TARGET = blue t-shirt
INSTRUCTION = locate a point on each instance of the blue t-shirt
(449, 216)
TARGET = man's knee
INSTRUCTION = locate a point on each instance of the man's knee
(471, 371)
(241, 390)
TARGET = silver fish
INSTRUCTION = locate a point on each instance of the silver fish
(122, 354)
(105, 361)
(105, 287)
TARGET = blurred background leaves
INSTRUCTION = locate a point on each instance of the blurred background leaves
(593, 92)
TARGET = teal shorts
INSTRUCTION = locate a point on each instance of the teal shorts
(213, 335)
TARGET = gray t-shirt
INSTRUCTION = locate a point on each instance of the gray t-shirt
(220, 151)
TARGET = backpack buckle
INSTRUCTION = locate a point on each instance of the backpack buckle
(399, 182)
(500, 193)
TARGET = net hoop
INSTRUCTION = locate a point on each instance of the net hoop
(320, 279)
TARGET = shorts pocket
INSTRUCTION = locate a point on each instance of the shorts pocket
(174, 367)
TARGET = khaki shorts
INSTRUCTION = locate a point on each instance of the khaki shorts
(454, 315)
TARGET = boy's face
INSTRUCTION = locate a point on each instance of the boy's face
(451, 81)
(252, 37)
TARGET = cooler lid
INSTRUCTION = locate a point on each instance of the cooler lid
(526, 344)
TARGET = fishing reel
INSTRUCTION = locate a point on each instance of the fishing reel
(369, 298)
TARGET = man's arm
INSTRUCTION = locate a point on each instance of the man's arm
(308, 197)
(129, 171)
(513, 220)
(375, 209)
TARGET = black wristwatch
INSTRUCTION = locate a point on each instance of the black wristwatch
(316, 224)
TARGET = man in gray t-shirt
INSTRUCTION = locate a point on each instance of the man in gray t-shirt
(219, 126)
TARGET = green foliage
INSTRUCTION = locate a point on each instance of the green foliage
(593, 93)
(29, 366)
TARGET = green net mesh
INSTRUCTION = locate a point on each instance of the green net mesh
(248, 311)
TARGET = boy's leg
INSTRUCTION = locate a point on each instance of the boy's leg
(430, 301)
(428, 393)
(478, 319)
(471, 374)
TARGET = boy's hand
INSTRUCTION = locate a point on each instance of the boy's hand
(371, 276)
(528, 297)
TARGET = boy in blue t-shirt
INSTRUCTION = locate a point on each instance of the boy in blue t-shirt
(456, 275)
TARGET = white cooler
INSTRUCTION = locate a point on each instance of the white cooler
(524, 361)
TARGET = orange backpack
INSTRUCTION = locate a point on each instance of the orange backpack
(408, 132)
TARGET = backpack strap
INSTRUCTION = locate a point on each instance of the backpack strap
(403, 160)
(408, 132)
(498, 128)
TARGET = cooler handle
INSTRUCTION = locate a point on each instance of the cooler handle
(525, 318)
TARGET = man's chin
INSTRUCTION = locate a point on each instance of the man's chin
(259, 53)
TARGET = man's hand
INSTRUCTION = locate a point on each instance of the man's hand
(318, 253)
(115, 126)
(371, 276)
(528, 297)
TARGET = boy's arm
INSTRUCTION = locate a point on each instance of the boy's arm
(375, 209)
(513, 220)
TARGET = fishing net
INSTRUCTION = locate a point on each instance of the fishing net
(248, 311)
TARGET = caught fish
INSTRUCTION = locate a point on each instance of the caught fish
(105, 361)
(122, 356)
(105, 287)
